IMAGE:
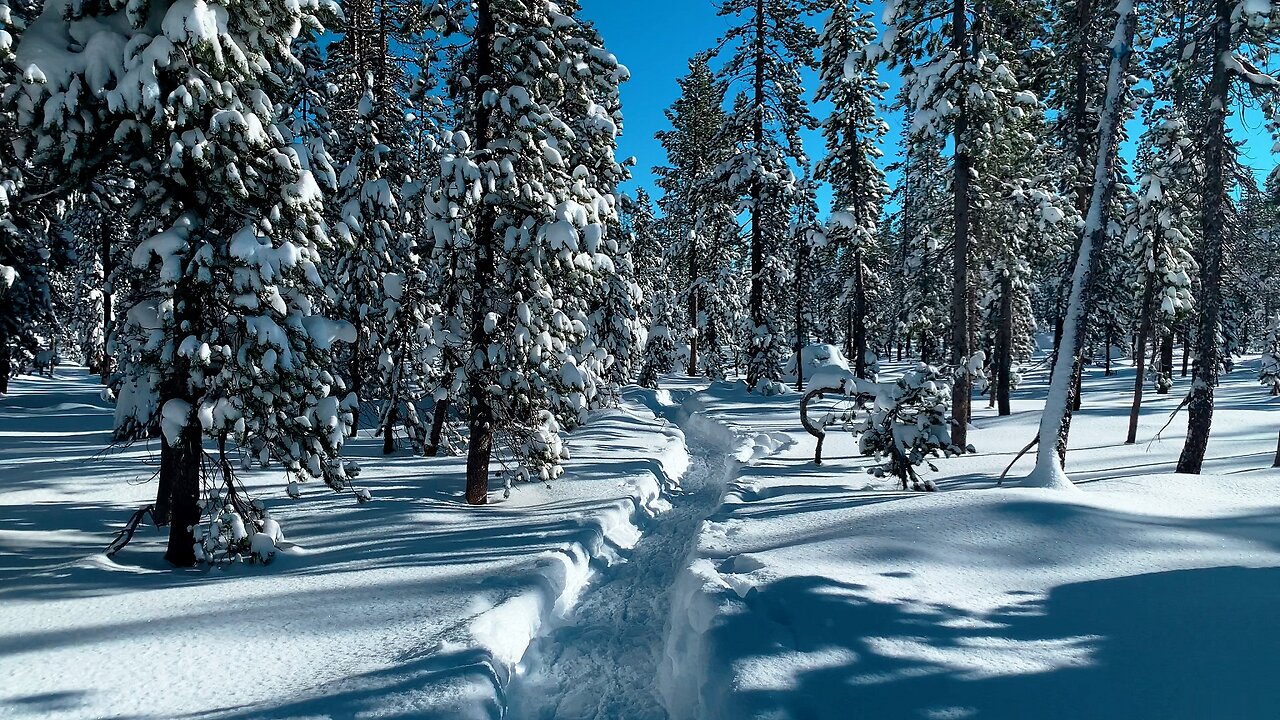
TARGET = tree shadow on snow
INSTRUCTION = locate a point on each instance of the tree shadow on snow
(1180, 644)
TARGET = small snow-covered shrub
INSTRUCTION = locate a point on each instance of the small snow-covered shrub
(901, 423)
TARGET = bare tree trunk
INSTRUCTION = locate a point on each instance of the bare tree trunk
(1140, 358)
(106, 366)
(859, 317)
(1276, 462)
(438, 416)
(1004, 346)
(1213, 231)
(1055, 423)
(960, 397)
(694, 290)
(6, 361)
(1165, 381)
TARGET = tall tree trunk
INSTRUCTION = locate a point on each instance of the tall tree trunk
(438, 417)
(1055, 423)
(1140, 357)
(480, 413)
(801, 259)
(694, 291)
(1004, 346)
(756, 299)
(960, 397)
(1213, 230)
(859, 316)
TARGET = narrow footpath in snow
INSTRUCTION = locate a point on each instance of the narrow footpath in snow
(603, 663)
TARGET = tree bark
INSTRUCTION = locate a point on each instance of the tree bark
(180, 476)
(1213, 231)
(1165, 382)
(389, 430)
(960, 397)
(106, 366)
(1004, 346)
(1140, 358)
(859, 317)
(438, 416)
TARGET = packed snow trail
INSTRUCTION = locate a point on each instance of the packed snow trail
(603, 663)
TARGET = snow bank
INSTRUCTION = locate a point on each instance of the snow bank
(415, 605)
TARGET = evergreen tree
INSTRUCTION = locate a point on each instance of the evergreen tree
(768, 48)
(853, 134)
(223, 340)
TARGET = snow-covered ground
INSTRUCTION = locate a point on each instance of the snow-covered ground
(414, 605)
(823, 593)
(691, 563)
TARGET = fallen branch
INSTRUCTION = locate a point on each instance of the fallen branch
(817, 431)
(1035, 441)
(126, 533)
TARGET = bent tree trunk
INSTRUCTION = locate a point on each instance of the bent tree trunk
(1213, 230)
(1055, 423)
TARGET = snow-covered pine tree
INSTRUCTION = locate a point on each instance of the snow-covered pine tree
(767, 50)
(654, 275)
(532, 161)
(223, 341)
(958, 86)
(698, 222)
(853, 133)
(1158, 240)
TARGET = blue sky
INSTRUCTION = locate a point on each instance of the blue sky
(655, 39)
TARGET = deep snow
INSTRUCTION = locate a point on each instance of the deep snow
(691, 563)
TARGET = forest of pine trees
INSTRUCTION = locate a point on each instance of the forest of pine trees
(268, 226)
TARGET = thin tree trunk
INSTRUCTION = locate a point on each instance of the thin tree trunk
(960, 397)
(756, 299)
(1213, 230)
(1186, 353)
(1004, 347)
(1276, 462)
(107, 366)
(1165, 382)
(1140, 358)
(438, 416)
(859, 317)
(1055, 423)
(6, 361)
(694, 286)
